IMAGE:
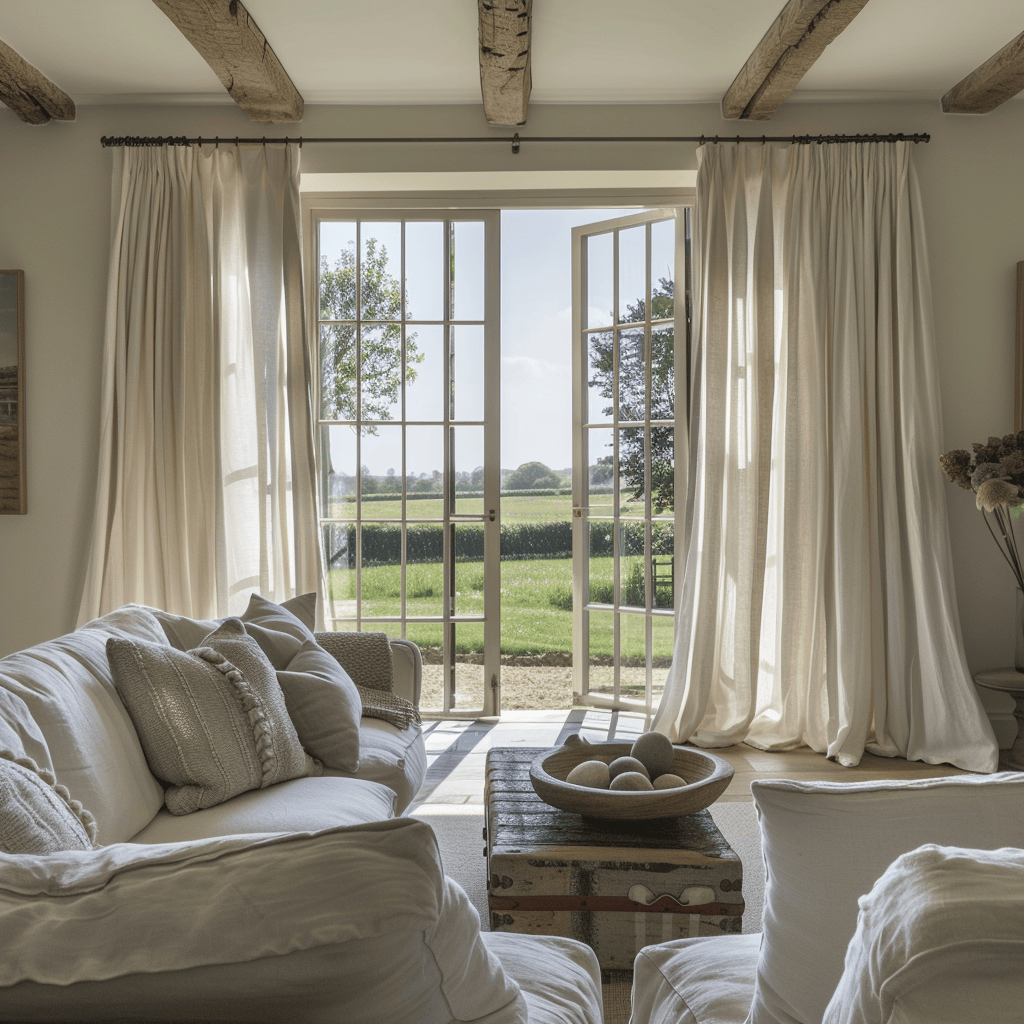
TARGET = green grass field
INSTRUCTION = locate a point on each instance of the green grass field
(536, 605)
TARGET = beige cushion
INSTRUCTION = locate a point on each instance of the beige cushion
(279, 629)
(36, 815)
(940, 937)
(826, 843)
(212, 721)
(298, 805)
(707, 980)
(324, 706)
(559, 979)
(394, 757)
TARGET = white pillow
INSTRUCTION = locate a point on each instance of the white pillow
(826, 843)
(940, 937)
(324, 706)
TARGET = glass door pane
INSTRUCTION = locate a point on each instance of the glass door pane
(625, 474)
(408, 336)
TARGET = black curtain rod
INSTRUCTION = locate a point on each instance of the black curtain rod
(514, 140)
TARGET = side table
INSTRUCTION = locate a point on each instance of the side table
(1009, 680)
(616, 885)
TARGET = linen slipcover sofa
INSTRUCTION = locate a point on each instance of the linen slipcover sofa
(297, 897)
(884, 903)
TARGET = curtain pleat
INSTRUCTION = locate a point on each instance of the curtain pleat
(817, 605)
(207, 483)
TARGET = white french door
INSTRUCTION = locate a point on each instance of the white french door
(407, 335)
(630, 331)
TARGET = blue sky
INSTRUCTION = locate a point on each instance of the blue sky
(536, 333)
(536, 338)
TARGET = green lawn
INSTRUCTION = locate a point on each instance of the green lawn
(536, 604)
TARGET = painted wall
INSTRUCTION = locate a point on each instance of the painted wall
(54, 224)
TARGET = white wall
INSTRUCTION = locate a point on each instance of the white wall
(54, 226)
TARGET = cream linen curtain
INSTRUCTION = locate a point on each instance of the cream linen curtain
(818, 604)
(207, 482)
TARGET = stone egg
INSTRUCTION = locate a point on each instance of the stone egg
(655, 752)
(627, 764)
(631, 780)
(590, 773)
(669, 781)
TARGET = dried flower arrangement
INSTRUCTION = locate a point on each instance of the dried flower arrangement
(995, 472)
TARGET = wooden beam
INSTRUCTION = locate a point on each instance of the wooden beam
(1000, 78)
(227, 38)
(29, 93)
(796, 39)
(505, 79)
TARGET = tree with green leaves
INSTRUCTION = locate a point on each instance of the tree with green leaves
(532, 475)
(381, 345)
(632, 395)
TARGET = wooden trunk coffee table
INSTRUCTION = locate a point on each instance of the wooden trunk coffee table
(618, 886)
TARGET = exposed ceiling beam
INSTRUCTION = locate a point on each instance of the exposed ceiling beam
(504, 30)
(227, 38)
(796, 39)
(29, 93)
(1000, 78)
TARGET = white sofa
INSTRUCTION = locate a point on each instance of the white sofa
(305, 900)
(922, 950)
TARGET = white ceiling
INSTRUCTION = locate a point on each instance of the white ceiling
(584, 51)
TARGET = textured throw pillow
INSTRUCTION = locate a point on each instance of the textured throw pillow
(36, 815)
(324, 706)
(940, 937)
(279, 629)
(212, 722)
(826, 843)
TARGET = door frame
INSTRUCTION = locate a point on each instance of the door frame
(315, 204)
(490, 519)
(580, 483)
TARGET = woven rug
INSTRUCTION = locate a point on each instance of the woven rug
(459, 831)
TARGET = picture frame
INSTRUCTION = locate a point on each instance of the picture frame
(12, 393)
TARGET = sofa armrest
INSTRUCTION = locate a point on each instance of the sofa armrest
(407, 664)
(354, 924)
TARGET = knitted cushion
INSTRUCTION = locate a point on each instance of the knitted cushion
(324, 706)
(212, 721)
(36, 815)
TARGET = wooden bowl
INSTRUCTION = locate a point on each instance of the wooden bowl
(708, 777)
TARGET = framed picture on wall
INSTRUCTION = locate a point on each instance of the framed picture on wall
(12, 392)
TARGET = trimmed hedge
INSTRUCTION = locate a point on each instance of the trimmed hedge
(382, 543)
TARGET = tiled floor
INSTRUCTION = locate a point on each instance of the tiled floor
(456, 751)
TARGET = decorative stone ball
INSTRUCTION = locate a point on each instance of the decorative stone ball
(631, 780)
(655, 752)
(669, 781)
(628, 764)
(590, 773)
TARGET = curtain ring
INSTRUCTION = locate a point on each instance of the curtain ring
(762, 140)
(200, 142)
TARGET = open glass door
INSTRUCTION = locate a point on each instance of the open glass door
(631, 331)
(407, 321)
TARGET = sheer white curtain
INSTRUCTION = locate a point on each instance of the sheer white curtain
(818, 604)
(206, 488)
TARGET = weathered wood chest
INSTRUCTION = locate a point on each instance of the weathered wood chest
(618, 886)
